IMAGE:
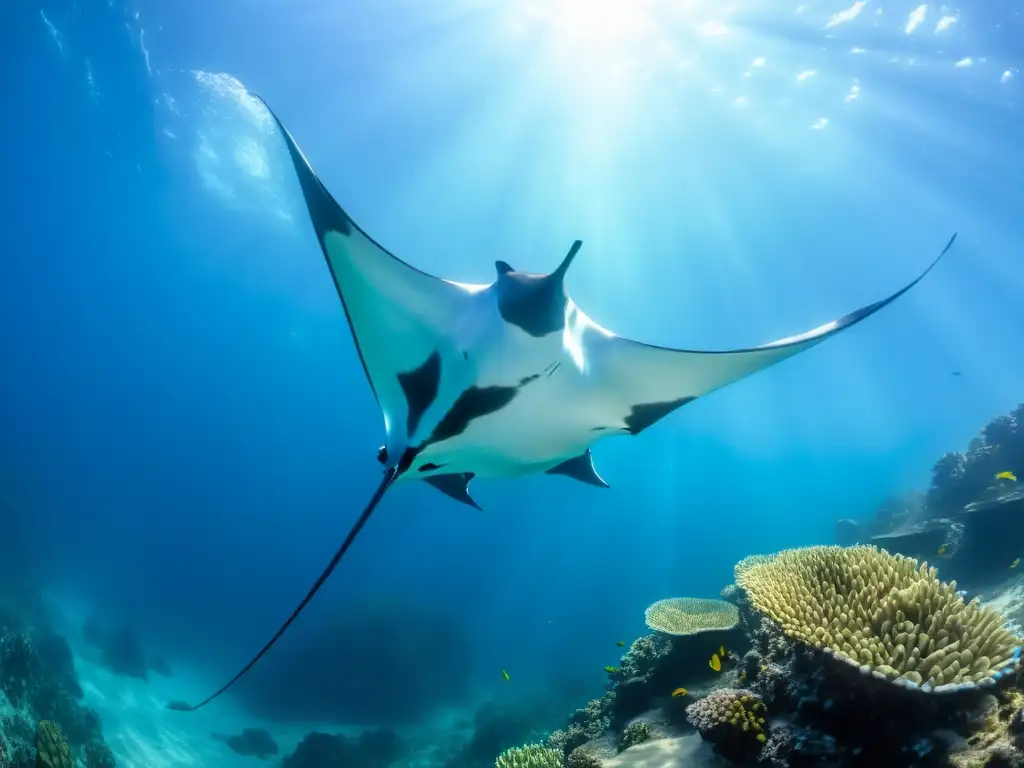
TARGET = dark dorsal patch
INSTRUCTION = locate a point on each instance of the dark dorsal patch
(580, 468)
(534, 303)
(430, 467)
(420, 387)
(456, 486)
(471, 404)
(644, 415)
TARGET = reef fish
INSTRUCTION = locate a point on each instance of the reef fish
(1006, 476)
(504, 674)
(679, 692)
(1015, 563)
(621, 643)
(942, 550)
(715, 663)
(504, 379)
(611, 670)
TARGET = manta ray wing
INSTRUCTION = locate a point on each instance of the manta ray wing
(637, 384)
(401, 318)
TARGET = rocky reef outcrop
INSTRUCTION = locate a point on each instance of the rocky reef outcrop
(43, 699)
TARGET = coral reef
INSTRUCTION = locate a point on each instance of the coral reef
(120, 649)
(689, 616)
(633, 734)
(52, 750)
(37, 675)
(582, 757)
(732, 719)
(882, 614)
(962, 484)
(531, 756)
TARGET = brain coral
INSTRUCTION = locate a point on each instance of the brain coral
(689, 616)
(883, 614)
(532, 756)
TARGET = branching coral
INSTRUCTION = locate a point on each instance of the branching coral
(883, 614)
(691, 616)
(531, 756)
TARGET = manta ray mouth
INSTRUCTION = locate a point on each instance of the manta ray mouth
(389, 478)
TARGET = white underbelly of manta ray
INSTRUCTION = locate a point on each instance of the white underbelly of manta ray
(501, 379)
(549, 419)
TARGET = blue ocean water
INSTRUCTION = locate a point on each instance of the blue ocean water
(188, 433)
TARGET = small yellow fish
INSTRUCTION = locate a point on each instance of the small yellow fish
(721, 651)
(611, 670)
(715, 663)
(620, 643)
(679, 692)
(1006, 476)
(1015, 562)
(941, 550)
(504, 673)
(762, 738)
(742, 677)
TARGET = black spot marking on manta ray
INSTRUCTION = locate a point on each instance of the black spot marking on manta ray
(471, 404)
(429, 466)
(420, 387)
(642, 416)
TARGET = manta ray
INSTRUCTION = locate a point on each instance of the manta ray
(501, 380)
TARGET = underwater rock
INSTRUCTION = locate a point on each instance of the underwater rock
(98, 755)
(251, 742)
(376, 661)
(920, 540)
(498, 726)
(371, 749)
(960, 478)
(120, 649)
(159, 665)
(583, 757)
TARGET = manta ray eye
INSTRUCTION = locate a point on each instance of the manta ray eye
(382, 455)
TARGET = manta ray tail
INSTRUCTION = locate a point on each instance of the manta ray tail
(389, 478)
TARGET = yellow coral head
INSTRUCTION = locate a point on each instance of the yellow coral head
(884, 614)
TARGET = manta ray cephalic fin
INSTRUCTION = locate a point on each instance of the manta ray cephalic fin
(580, 468)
